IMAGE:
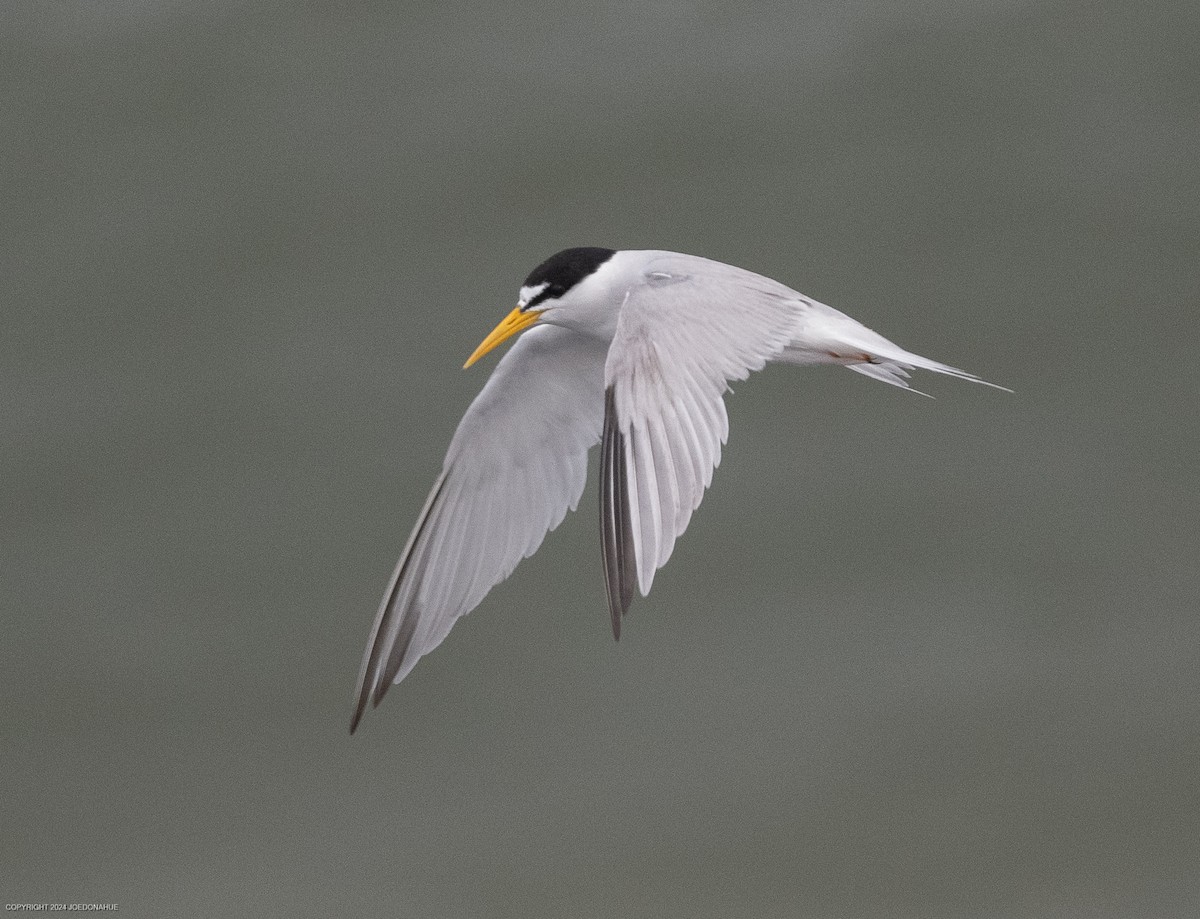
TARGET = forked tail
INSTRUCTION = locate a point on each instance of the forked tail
(828, 336)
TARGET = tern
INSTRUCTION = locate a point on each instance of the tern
(632, 350)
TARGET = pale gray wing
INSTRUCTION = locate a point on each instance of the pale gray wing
(687, 327)
(517, 463)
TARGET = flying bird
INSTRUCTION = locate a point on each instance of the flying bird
(632, 350)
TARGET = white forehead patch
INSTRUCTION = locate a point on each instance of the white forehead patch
(530, 293)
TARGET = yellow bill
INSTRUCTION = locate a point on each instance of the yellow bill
(509, 326)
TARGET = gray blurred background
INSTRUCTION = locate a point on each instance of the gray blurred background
(913, 658)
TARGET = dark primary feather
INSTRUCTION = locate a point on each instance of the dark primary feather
(616, 535)
(386, 620)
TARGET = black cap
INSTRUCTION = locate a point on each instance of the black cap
(563, 270)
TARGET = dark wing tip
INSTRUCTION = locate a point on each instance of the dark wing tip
(616, 535)
(374, 692)
(360, 703)
(378, 672)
